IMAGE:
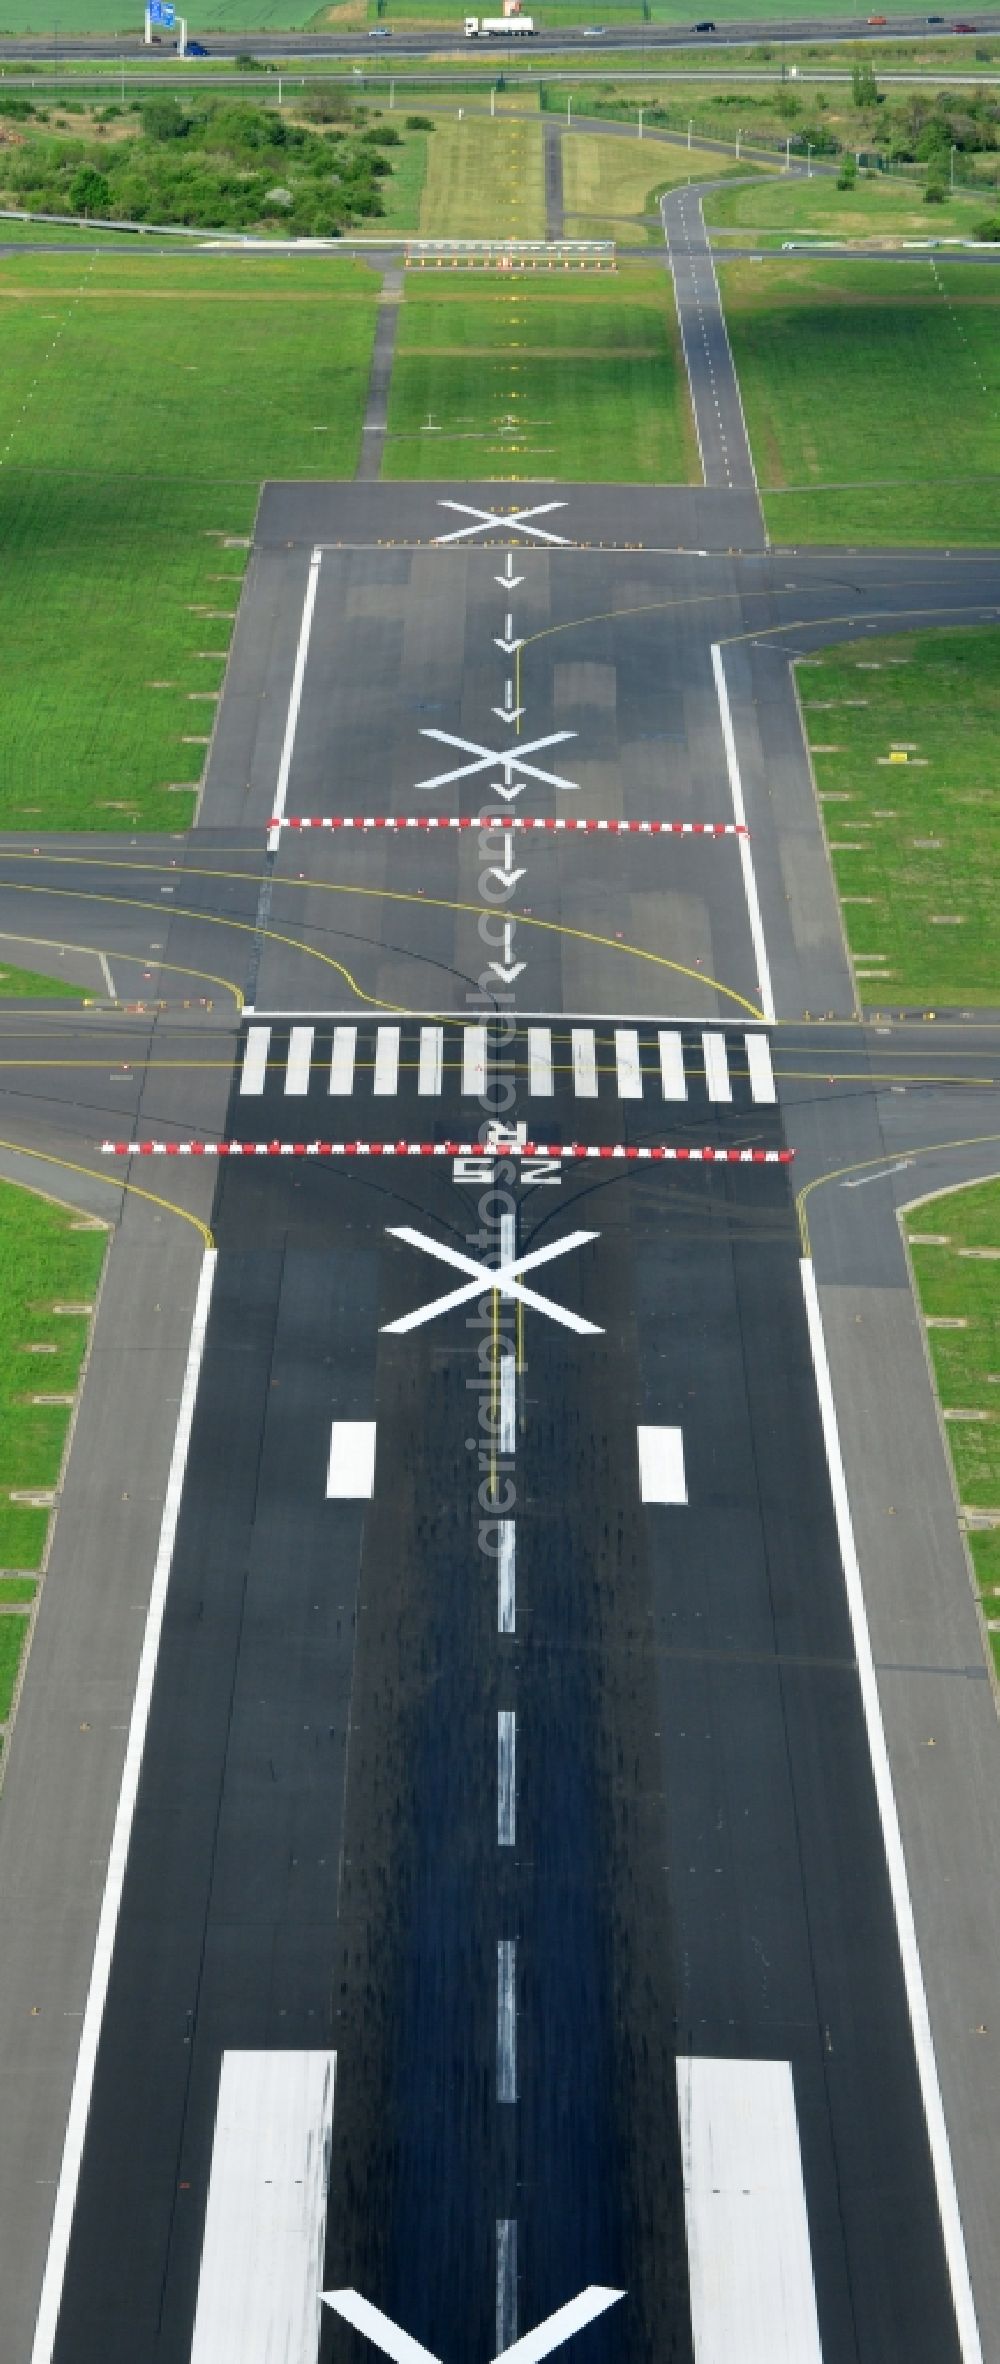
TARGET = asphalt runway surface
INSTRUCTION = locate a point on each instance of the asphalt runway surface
(512, 1822)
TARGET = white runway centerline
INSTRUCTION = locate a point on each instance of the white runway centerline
(753, 2299)
(506, 1608)
(506, 1777)
(507, 2019)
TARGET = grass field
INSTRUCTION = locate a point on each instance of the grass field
(484, 179)
(29, 984)
(610, 184)
(874, 209)
(916, 846)
(44, 1262)
(142, 400)
(572, 378)
(871, 394)
(965, 1289)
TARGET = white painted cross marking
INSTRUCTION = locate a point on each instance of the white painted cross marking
(489, 521)
(300, 1043)
(394, 2342)
(504, 1277)
(254, 1072)
(386, 1077)
(345, 1043)
(514, 760)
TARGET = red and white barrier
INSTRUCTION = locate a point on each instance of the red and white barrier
(392, 821)
(568, 1152)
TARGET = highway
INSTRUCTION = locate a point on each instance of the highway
(510, 1914)
(651, 40)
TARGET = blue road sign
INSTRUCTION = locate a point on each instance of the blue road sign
(161, 12)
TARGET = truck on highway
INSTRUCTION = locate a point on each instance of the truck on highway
(504, 28)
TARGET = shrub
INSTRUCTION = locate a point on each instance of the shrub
(935, 193)
(848, 174)
(419, 123)
(89, 192)
(989, 230)
(163, 119)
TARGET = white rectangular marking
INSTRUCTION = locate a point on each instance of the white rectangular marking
(661, 1465)
(345, 1044)
(507, 2019)
(254, 1071)
(265, 2219)
(386, 1076)
(300, 1045)
(761, 1070)
(584, 1063)
(508, 1402)
(350, 1475)
(505, 1577)
(717, 1078)
(672, 1073)
(540, 1062)
(752, 2295)
(506, 1811)
(431, 1061)
(294, 699)
(474, 1060)
(628, 1063)
(739, 815)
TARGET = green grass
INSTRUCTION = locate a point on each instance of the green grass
(928, 831)
(875, 208)
(30, 984)
(17, 1591)
(142, 401)
(967, 1361)
(609, 185)
(43, 1261)
(872, 395)
(484, 179)
(403, 193)
(579, 379)
(13, 1634)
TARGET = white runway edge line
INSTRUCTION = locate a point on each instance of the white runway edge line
(753, 2299)
(259, 2288)
(350, 1473)
(746, 857)
(923, 2041)
(294, 701)
(83, 2082)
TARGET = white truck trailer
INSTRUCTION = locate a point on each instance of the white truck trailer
(502, 28)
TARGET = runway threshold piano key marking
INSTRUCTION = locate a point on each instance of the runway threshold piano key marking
(628, 1062)
(661, 1464)
(753, 2300)
(259, 2287)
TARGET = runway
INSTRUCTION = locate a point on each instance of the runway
(510, 1813)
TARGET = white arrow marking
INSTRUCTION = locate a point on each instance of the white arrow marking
(509, 712)
(510, 580)
(508, 794)
(502, 1277)
(506, 968)
(556, 2329)
(513, 760)
(509, 647)
(901, 1168)
(488, 521)
(508, 876)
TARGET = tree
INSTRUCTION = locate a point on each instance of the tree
(89, 192)
(864, 85)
